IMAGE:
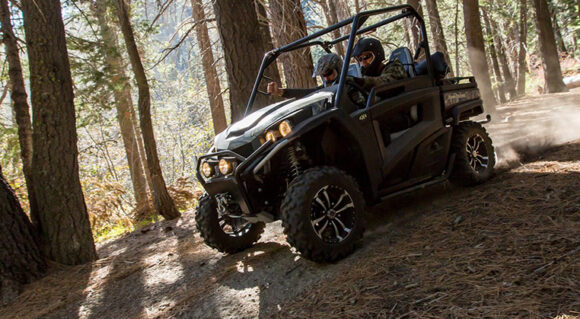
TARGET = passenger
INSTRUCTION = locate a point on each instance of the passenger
(370, 55)
(328, 68)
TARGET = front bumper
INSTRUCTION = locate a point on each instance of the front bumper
(241, 182)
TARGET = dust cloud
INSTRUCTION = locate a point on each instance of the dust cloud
(533, 124)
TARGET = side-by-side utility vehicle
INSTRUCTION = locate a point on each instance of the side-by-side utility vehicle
(315, 162)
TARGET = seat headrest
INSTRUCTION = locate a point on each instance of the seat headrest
(404, 55)
(440, 67)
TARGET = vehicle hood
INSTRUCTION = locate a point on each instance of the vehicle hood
(252, 126)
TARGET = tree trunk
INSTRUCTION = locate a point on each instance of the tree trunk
(19, 104)
(456, 26)
(264, 29)
(216, 102)
(342, 10)
(504, 64)
(244, 49)
(522, 64)
(21, 260)
(288, 25)
(494, 60)
(63, 219)
(329, 8)
(141, 148)
(124, 104)
(163, 202)
(550, 60)
(437, 31)
(476, 51)
(512, 45)
(557, 31)
(414, 26)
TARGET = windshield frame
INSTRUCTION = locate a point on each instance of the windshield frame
(356, 22)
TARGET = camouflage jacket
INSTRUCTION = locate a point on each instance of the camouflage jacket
(391, 71)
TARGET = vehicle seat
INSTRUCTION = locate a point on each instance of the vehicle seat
(404, 55)
(440, 67)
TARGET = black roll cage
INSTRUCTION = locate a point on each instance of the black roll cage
(357, 21)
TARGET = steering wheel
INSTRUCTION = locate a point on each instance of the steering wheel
(359, 89)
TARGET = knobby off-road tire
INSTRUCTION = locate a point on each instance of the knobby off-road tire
(208, 224)
(474, 154)
(304, 214)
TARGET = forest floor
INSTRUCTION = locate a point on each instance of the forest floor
(508, 248)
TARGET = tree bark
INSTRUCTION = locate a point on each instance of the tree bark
(244, 49)
(19, 104)
(272, 71)
(413, 26)
(456, 27)
(522, 64)
(476, 52)
(63, 220)
(163, 202)
(512, 44)
(124, 104)
(557, 31)
(550, 59)
(509, 84)
(329, 8)
(288, 25)
(21, 260)
(216, 102)
(494, 60)
(437, 31)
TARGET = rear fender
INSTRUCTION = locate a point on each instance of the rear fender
(466, 110)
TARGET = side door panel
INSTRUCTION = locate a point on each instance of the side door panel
(401, 142)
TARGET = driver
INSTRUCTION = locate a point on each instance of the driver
(371, 57)
(328, 68)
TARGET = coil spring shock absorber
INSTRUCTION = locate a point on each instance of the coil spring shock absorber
(293, 161)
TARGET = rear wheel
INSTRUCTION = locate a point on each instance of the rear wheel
(224, 233)
(474, 154)
(323, 214)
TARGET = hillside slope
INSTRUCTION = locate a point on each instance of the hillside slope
(508, 248)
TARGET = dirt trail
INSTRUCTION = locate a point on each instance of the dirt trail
(506, 249)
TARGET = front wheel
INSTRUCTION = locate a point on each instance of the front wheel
(224, 233)
(474, 154)
(323, 214)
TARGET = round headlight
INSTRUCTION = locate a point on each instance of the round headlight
(271, 136)
(285, 128)
(225, 167)
(206, 169)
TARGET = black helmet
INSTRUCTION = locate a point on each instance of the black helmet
(374, 46)
(328, 63)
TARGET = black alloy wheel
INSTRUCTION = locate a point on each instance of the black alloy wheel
(323, 214)
(474, 154)
(222, 232)
(477, 153)
(332, 216)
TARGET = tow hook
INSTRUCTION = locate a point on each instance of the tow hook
(487, 120)
(223, 201)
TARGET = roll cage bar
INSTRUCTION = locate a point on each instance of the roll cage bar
(357, 21)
